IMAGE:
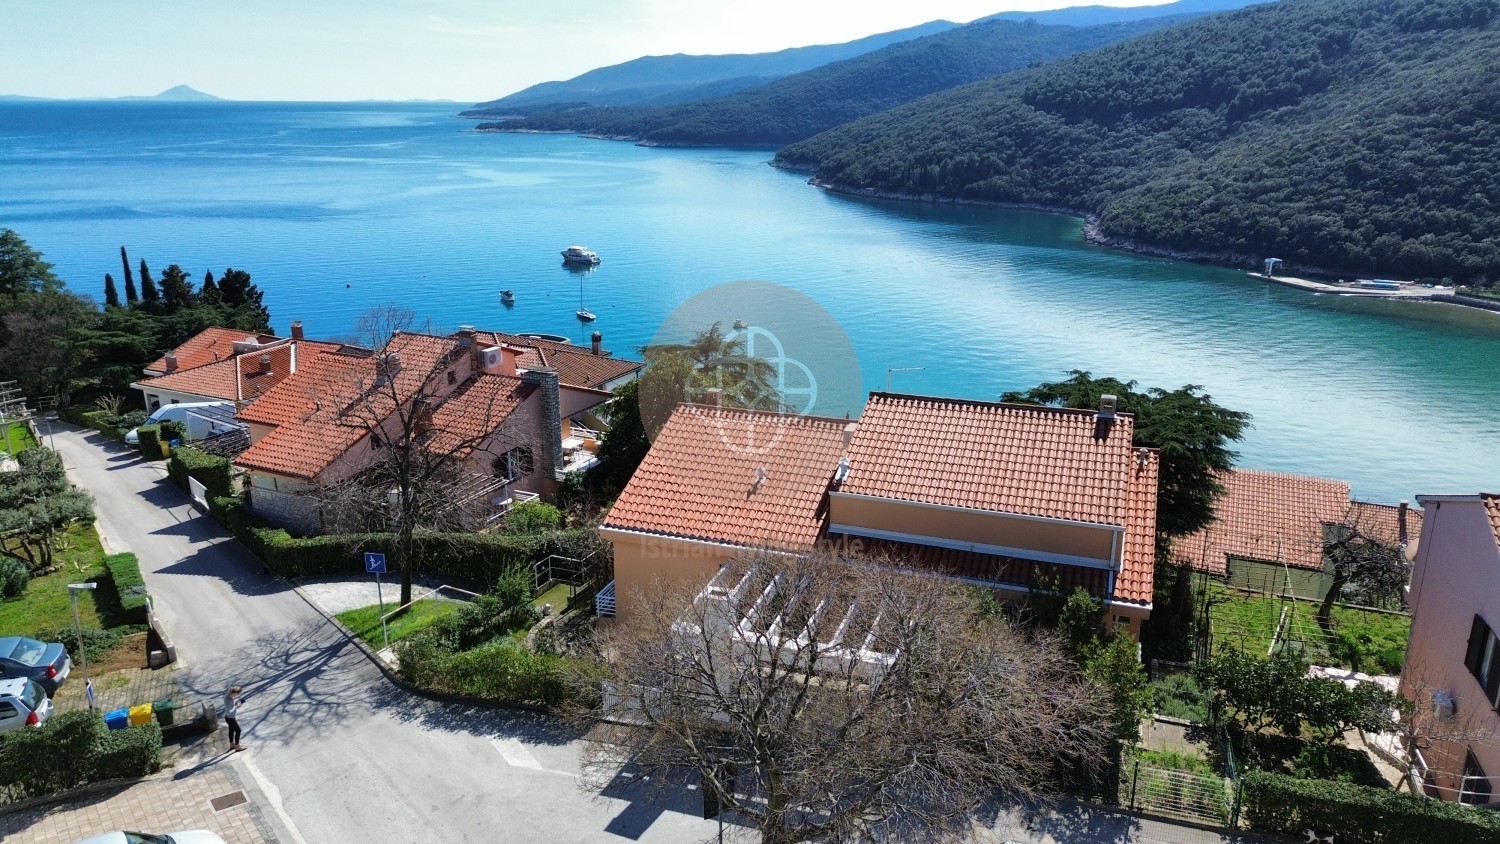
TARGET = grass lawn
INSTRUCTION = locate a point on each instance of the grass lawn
(1372, 642)
(365, 621)
(557, 596)
(17, 439)
(44, 605)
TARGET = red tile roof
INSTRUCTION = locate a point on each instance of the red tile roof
(1276, 517)
(1492, 507)
(1383, 522)
(698, 481)
(476, 408)
(575, 365)
(240, 377)
(1007, 458)
(208, 346)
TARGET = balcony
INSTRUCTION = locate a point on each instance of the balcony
(604, 601)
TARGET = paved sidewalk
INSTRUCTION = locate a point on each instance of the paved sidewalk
(165, 803)
(350, 592)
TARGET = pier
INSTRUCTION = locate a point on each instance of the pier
(1405, 290)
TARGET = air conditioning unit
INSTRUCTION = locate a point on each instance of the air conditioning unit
(1444, 706)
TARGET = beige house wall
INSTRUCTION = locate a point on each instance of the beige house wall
(1455, 576)
(998, 530)
(643, 562)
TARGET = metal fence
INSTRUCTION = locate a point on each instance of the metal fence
(1186, 795)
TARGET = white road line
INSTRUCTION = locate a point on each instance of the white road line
(273, 796)
(516, 754)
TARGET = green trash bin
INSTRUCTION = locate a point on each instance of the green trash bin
(163, 710)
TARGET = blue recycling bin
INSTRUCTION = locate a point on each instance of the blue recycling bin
(117, 719)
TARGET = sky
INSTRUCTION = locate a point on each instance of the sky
(462, 50)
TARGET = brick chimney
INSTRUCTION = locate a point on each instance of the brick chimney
(551, 425)
(1401, 522)
(598, 343)
(171, 361)
(466, 335)
(297, 330)
(265, 364)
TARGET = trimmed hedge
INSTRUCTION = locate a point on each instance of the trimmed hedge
(74, 749)
(97, 420)
(150, 441)
(214, 472)
(1361, 815)
(125, 574)
(480, 558)
(501, 671)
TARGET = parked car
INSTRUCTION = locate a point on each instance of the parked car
(201, 419)
(193, 836)
(46, 663)
(22, 704)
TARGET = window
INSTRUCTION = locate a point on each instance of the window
(1122, 622)
(514, 464)
(1483, 658)
(452, 377)
(1475, 786)
(8, 710)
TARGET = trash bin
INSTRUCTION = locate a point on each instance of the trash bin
(117, 719)
(163, 710)
(140, 714)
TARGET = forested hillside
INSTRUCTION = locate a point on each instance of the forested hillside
(660, 79)
(804, 104)
(1350, 135)
(1093, 15)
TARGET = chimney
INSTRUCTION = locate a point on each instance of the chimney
(551, 429)
(171, 361)
(713, 397)
(849, 434)
(598, 343)
(466, 336)
(297, 330)
(1108, 403)
(1401, 522)
(265, 364)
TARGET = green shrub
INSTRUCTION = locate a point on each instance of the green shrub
(1360, 815)
(171, 430)
(125, 574)
(96, 642)
(131, 752)
(529, 518)
(14, 577)
(53, 757)
(1180, 696)
(214, 472)
(150, 441)
(514, 586)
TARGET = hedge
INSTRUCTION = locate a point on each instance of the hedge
(73, 749)
(480, 558)
(501, 671)
(1361, 815)
(125, 573)
(98, 420)
(214, 472)
(150, 441)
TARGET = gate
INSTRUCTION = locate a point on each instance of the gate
(1187, 795)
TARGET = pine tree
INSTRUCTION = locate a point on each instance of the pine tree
(210, 291)
(111, 295)
(149, 293)
(176, 289)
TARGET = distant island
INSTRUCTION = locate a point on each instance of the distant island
(178, 93)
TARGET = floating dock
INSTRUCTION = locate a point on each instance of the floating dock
(1384, 291)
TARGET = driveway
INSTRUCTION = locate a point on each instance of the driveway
(345, 755)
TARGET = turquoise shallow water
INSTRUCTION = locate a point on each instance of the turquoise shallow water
(334, 208)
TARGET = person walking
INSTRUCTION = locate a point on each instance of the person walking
(232, 701)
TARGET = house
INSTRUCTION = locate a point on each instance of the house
(224, 364)
(1452, 665)
(1006, 496)
(1269, 527)
(513, 429)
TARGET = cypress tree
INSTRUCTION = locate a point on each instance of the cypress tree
(130, 294)
(210, 292)
(148, 287)
(111, 295)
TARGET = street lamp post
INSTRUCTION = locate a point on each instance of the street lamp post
(73, 590)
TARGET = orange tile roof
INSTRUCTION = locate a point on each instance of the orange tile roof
(239, 377)
(208, 346)
(1276, 517)
(1007, 458)
(695, 484)
(1383, 522)
(476, 408)
(1492, 507)
(575, 365)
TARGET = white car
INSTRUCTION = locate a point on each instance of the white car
(22, 704)
(194, 836)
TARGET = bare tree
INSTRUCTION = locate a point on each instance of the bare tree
(1441, 727)
(824, 699)
(1358, 552)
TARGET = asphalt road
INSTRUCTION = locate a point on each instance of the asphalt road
(348, 756)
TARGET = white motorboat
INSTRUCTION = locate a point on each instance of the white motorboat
(580, 255)
(508, 297)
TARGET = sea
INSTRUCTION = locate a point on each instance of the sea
(338, 208)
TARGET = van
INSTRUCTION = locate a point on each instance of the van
(22, 704)
(202, 419)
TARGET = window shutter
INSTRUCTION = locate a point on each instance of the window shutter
(1492, 673)
(1479, 634)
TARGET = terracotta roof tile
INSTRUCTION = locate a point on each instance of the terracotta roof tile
(1136, 580)
(693, 484)
(1492, 507)
(240, 378)
(207, 346)
(1383, 522)
(1008, 458)
(575, 365)
(476, 408)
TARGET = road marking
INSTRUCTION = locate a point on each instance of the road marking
(516, 754)
(273, 796)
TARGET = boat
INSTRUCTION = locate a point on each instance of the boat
(508, 297)
(580, 255)
(586, 315)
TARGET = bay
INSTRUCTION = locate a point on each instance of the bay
(335, 208)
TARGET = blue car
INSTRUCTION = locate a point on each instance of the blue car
(45, 664)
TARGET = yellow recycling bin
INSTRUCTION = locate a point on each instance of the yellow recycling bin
(140, 714)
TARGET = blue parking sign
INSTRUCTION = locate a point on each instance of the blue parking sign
(374, 563)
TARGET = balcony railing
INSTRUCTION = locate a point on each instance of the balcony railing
(604, 601)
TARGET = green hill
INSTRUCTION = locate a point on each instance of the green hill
(1093, 15)
(661, 79)
(806, 103)
(1346, 135)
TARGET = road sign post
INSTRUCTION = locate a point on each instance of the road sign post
(375, 564)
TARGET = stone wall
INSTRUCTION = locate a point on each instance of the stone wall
(296, 513)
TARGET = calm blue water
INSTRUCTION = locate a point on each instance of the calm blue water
(336, 208)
